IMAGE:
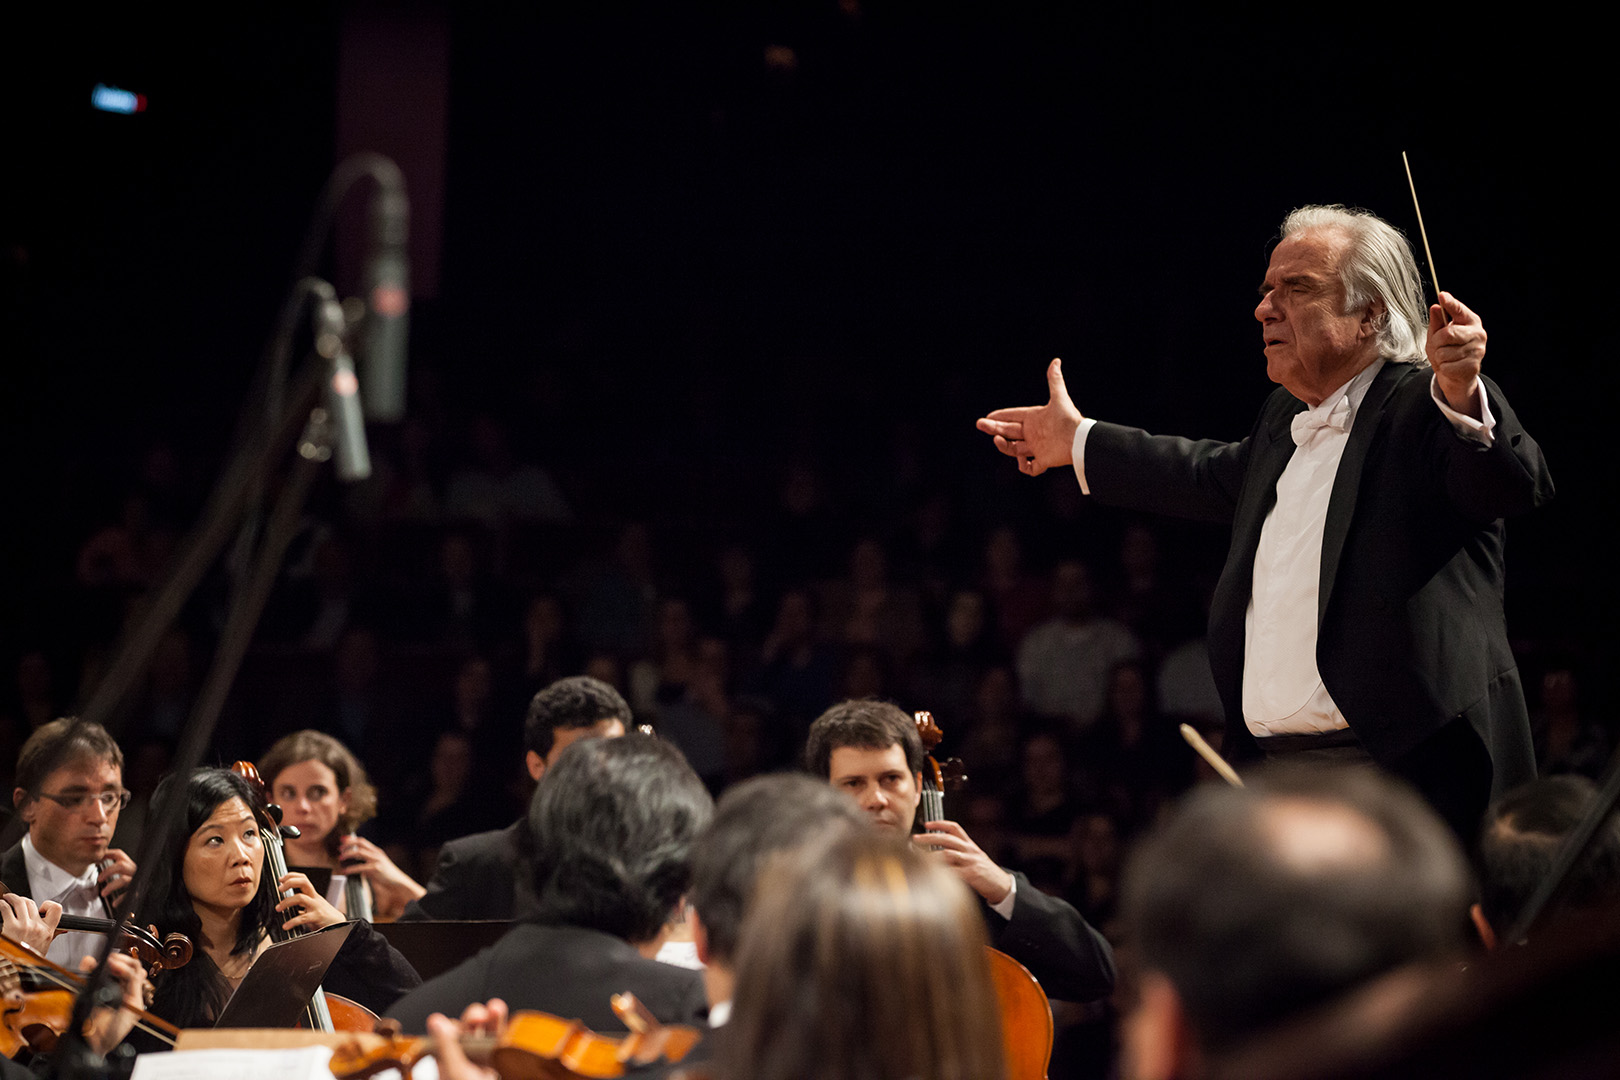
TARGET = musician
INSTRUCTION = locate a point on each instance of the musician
(211, 885)
(871, 751)
(1522, 836)
(866, 958)
(106, 1026)
(1252, 905)
(322, 789)
(70, 788)
(486, 875)
(753, 821)
(613, 825)
(1360, 611)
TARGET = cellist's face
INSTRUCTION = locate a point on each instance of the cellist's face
(880, 782)
(224, 859)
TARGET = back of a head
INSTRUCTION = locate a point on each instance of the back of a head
(1520, 841)
(578, 701)
(861, 957)
(753, 821)
(1260, 902)
(613, 824)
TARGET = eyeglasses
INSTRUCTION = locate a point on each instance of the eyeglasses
(109, 800)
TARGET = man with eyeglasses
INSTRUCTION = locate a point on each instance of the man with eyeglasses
(70, 788)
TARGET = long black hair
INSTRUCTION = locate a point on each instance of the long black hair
(196, 993)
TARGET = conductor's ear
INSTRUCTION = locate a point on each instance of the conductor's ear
(1372, 320)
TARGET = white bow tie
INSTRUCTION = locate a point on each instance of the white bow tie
(1336, 416)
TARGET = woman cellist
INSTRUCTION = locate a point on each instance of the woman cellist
(211, 885)
(322, 789)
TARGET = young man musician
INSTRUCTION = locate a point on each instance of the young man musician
(485, 875)
(871, 751)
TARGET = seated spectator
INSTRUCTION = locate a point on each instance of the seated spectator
(1064, 663)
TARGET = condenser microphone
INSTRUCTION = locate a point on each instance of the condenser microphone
(385, 281)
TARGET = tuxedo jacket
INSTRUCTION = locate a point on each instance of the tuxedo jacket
(487, 875)
(563, 970)
(1411, 639)
(1067, 956)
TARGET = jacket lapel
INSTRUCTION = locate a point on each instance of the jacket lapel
(1347, 480)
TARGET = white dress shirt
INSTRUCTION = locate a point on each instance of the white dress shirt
(77, 895)
(1283, 692)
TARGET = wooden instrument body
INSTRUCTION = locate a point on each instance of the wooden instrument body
(1026, 1013)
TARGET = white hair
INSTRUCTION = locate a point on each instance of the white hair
(1377, 264)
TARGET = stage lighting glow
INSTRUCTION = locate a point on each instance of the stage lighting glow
(111, 99)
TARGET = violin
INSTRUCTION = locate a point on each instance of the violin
(536, 1045)
(33, 1018)
(1026, 1013)
(174, 951)
(325, 1012)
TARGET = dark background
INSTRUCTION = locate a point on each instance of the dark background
(682, 244)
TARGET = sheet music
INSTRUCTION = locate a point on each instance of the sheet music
(303, 1063)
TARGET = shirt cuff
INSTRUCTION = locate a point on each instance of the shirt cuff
(1480, 431)
(1004, 907)
(1078, 456)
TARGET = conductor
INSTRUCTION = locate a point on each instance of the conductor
(1359, 614)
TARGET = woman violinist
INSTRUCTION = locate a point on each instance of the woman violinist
(211, 885)
(322, 789)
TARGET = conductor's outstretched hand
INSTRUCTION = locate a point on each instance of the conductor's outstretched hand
(1038, 436)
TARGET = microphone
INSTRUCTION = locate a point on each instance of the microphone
(385, 282)
(349, 448)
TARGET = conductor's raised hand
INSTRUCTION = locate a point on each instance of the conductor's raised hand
(1040, 437)
(1456, 350)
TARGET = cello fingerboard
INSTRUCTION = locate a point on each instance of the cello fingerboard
(933, 804)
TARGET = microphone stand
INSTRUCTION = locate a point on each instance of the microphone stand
(292, 415)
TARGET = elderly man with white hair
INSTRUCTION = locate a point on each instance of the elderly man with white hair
(1359, 614)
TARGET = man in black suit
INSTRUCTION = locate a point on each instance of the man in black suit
(486, 875)
(613, 827)
(70, 789)
(1360, 610)
(871, 751)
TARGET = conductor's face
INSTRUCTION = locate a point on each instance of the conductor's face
(1312, 348)
(879, 781)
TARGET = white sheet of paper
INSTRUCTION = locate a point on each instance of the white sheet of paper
(304, 1063)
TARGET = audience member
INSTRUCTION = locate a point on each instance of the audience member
(1064, 663)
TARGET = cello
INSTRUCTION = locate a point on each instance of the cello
(325, 1012)
(1026, 1013)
